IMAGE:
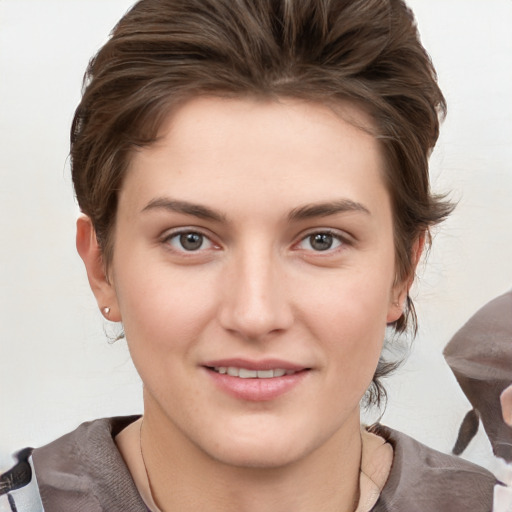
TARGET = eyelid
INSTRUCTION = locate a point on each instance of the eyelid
(341, 236)
(183, 230)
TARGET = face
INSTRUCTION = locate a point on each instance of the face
(254, 271)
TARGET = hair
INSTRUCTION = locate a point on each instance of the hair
(163, 52)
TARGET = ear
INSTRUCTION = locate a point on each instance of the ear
(90, 252)
(400, 290)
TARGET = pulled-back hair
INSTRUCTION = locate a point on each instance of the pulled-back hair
(164, 52)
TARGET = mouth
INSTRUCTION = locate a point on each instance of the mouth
(256, 381)
(245, 373)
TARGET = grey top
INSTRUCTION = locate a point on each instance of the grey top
(84, 471)
(480, 356)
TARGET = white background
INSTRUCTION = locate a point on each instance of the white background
(57, 368)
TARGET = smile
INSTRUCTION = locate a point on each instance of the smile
(262, 381)
(244, 373)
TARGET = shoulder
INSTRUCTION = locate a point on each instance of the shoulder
(83, 470)
(423, 479)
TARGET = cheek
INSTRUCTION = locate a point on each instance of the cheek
(350, 318)
(355, 302)
(162, 309)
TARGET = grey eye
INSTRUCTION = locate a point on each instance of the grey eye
(321, 241)
(191, 241)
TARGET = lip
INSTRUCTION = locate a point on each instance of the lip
(255, 389)
(264, 364)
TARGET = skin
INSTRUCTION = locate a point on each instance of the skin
(257, 288)
(506, 405)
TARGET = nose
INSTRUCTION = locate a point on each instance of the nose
(255, 300)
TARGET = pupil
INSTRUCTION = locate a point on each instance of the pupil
(191, 241)
(321, 241)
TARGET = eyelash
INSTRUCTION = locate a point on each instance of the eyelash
(176, 235)
(341, 240)
(337, 239)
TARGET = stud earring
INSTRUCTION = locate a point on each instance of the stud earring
(106, 311)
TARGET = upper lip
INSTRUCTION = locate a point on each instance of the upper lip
(250, 364)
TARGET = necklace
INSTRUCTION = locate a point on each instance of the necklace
(154, 506)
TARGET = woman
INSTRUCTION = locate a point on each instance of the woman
(254, 182)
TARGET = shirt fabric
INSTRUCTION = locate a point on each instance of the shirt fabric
(84, 471)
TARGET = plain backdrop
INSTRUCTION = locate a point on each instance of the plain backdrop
(57, 367)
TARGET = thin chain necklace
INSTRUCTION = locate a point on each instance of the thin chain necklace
(157, 509)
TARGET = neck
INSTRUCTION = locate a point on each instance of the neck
(183, 477)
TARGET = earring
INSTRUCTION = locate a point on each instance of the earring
(106, 311)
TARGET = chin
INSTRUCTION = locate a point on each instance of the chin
(261, 448)
(256, 457)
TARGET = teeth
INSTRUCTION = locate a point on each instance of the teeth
(247, 374)
(244, 373)
(233, 371)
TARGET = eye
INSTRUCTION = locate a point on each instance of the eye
(189, 241)
(321, 241)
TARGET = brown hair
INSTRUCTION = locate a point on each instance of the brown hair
(165, 51)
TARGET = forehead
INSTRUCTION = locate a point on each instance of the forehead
(245, 146)
(192, 118)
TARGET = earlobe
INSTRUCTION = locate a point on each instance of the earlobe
(396, 308)
(91, 254)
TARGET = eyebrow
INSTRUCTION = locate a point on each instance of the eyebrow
(172, 205)
(309, 211)
(304, 212)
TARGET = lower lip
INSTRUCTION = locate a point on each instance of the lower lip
(257, 390)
